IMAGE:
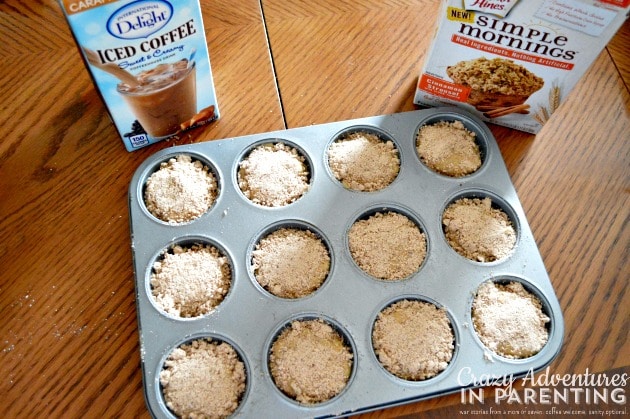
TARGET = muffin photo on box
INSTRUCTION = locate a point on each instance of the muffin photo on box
(413, 339)
(496, 85)
(509, 320)
(204, 378)
(291, 262)
(273, 174)
(310, 361)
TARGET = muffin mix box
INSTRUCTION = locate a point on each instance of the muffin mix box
(513, 62)
(149, 61)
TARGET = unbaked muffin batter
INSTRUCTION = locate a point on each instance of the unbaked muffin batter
(477, 231)
(413, 339)
(203, 378)
(310, 361)
(509, 320)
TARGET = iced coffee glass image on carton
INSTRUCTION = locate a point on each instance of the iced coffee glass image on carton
(149, 61)
(513, 62)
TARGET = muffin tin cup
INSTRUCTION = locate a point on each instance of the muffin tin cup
(345, 337)
(470, 123)
(455, 329)
(383, 208)
(150, 169)
(270, 141)
(497, 203)
(157, 386)
(288, 224)
(187, 242)
(533, 290)
(248, 317)
(343, 134)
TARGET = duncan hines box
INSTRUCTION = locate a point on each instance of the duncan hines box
(149, 61)
(513, 62)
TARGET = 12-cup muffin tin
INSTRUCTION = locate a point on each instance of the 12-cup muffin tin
(249, 317)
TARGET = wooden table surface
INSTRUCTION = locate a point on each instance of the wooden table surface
(68, 327)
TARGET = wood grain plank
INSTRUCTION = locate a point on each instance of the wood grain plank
(345, 60)
(32, 27)
(619, 49)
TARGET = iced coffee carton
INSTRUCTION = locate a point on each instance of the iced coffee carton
(149, 61)
(513, 62)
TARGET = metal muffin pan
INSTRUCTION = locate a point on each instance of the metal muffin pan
(249, 317)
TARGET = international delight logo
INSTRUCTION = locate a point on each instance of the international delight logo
(545, 393)
(495, 7)
(139, 19)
